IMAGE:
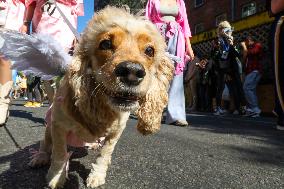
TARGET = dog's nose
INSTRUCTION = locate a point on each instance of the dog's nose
(130, 73)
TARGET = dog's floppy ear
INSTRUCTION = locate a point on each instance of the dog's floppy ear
(154, 102)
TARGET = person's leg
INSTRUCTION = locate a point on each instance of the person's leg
(193, 90)
(176, 104)
(240, 93)
(250, 85)
(25, 96)
(220, 88)
(246, 87)
(207, 98)
(219, 92)
(49, 91)
(36, 92)
(255, 99)
(6, 84)
(202, 97)
(29, 95)
(233, 93)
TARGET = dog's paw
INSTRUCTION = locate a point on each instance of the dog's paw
(94, 179)
(39, 159)
(55, 180)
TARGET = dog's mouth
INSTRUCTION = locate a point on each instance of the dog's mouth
(124, 101)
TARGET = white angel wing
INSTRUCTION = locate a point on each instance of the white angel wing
(37, 53)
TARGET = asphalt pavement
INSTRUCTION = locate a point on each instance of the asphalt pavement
(213, 152)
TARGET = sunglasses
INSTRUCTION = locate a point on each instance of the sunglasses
(227, 30)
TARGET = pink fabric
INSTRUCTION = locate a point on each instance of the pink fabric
(71, 137)
(55, 24)
(154, 15)
(16, 11)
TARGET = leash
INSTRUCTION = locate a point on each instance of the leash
(47, 7)
(276, 58)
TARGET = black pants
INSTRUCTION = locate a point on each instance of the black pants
(204, 97)
(33, 91)
(235, 89)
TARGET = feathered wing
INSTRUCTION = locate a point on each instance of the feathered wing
(37, 53)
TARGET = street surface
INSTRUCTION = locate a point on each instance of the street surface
(214, 152)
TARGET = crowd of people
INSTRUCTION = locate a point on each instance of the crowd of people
(228, 74)
(29, 88)
(35, 16)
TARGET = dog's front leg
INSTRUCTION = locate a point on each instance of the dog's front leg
(57, 172)
(98, 172)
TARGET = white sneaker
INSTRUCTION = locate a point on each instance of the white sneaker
(256, 110)
(225, 111)
(252, 112)
(218, 111)
(236, 112)
(256, 115)
(280, 127)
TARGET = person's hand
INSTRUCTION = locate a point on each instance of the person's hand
(190, 53)
(202, 64)
(25, 29)
(230, 39)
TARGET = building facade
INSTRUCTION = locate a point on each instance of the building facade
(206, 14)
(248, 17)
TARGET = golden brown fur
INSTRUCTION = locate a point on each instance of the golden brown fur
(90, 89)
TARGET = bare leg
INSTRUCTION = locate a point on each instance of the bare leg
(5, 88)
(5, 72)
(98, 172)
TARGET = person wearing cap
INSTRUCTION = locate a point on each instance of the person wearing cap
(276, 9)
(229, 68)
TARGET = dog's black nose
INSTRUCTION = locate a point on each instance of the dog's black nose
(130, 73)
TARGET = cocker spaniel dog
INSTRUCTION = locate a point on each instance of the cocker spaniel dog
(119, 66)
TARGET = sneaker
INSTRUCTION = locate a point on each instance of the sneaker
(280, 124)
(225, 111)
(256, 115)
(236, 112)
(280, 127)
(243, 110)
(252, 113)
(28, 104)
(180, 123)
(36, 104)
(218, 111)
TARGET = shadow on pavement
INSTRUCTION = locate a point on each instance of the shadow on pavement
(266, 144)
(26, 115)
(18, 175)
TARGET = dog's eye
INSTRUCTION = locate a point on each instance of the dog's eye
(149, 51)
(105, 44)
